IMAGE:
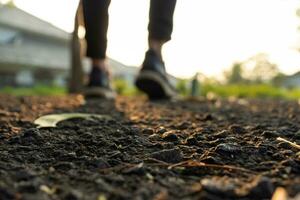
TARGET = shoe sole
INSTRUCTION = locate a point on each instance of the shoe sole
(154, 85)
(97, 92)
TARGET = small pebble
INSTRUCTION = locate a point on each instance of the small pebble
(168, 155)
(228, 148)
(191, 141)
(148, 131)
(261, 188)
(237, 129)
(170, 136)
(270, 134)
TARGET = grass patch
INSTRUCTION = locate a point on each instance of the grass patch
(123, 88)
(40, 90)
(250, 91)
(223, 91)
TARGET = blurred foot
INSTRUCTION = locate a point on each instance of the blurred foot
(99, 84)
(152, 78)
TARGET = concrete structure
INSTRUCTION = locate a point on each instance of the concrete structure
(34, 51)
(292, 81)
(31, 50)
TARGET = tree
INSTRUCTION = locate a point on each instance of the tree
(298, 14)
(256, 69)
(235, 74)
(260, 69)
(182, 87)
(278, 79)
(76, 71)
(9, 3)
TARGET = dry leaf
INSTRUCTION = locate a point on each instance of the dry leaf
(47, 190)
(280, 194)
(102, 197)
(52, 120)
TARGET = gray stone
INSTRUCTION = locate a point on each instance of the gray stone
(168, 155)
(228, 148)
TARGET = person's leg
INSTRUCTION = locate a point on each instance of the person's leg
(152, 78)
(96, 24)
(160, 23)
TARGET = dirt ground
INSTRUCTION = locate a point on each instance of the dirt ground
(191, 149)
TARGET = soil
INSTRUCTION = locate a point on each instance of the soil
(190, 149)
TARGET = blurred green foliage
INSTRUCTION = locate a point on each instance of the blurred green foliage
(123, 88)
(120, 86)
(250, 91)
(183, 87)
(42, 90)
(240, 90)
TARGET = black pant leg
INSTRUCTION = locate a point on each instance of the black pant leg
(96, 24)
(161, 19)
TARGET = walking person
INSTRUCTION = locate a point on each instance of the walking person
(152, 77)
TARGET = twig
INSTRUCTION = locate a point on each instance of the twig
(188, 163)
(293, 144)
(156, 161)
(193, 163)
(280, 194)
(116, 168)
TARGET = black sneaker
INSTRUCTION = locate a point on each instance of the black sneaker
(152, 78)
(99, 85)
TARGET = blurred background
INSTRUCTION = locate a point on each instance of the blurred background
(248, 48)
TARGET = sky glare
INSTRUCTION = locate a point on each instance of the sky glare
(209, 35)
